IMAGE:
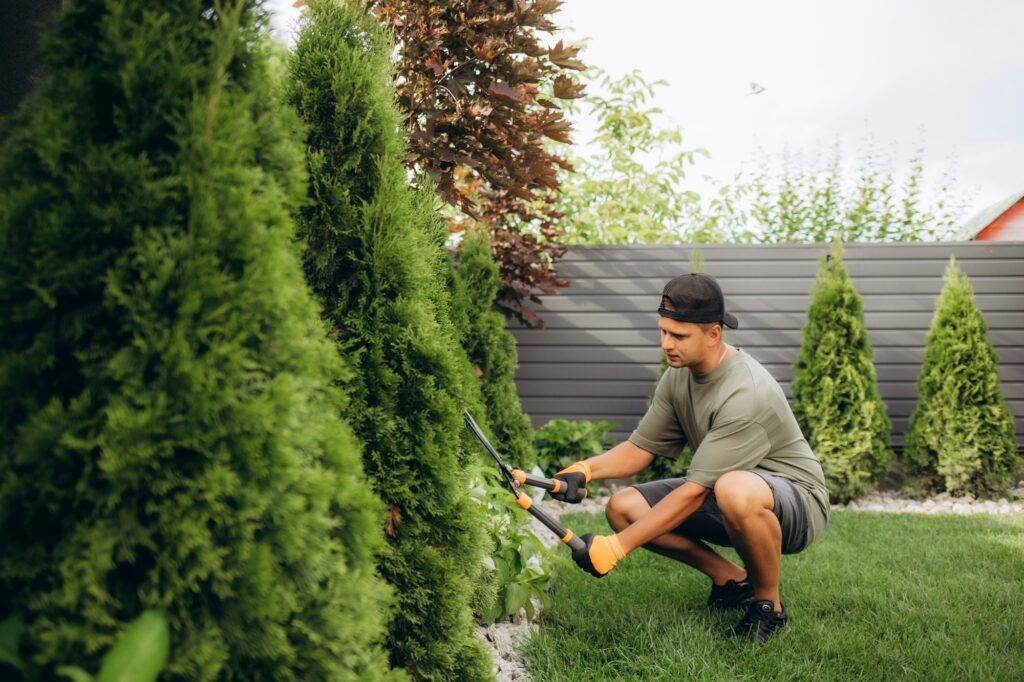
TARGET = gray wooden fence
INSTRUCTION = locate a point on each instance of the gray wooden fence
(598, 357)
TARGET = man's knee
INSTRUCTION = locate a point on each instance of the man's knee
(741, 494)
(625, 507)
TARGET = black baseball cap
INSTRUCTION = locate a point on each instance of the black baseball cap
(695, 297)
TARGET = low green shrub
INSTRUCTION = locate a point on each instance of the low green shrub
(561, 442)
(520, 563)
(961, 435)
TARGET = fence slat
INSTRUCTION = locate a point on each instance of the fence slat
(599, 321)
(644, 285)
(598, 357)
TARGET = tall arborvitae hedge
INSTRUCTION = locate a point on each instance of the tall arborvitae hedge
(961, 435)
(372, 246)
(835, 394)
(169, 433)
(491, 347)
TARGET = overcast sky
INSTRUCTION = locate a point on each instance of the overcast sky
(949, 73)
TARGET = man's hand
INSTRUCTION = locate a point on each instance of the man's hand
(600, 555)
(574, 480)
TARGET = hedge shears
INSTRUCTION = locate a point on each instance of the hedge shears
(515, 478)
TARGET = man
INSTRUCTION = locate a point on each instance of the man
(754, 483)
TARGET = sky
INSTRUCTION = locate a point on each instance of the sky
(948, 74)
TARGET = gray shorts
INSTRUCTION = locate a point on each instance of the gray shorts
(706, 523)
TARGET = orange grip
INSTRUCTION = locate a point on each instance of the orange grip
(557, 487)
(519, 476)
(581, 467)
(568, 537)
(524, 501)
(605, 552)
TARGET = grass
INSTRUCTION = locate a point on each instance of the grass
(877, 597)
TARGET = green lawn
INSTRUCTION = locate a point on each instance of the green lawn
(877, 597)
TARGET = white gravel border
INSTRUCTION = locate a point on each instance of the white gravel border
(943, 503)
(505, 637)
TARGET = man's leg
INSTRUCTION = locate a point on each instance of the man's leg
(747, 505)
(628, 505)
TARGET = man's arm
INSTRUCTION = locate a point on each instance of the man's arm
(673, 509)
(625, 459)
(602, 552)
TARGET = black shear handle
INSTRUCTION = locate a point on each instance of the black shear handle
(566, 536)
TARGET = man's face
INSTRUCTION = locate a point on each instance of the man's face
(686, 344)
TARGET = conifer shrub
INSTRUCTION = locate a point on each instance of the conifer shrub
(371, 253)
(961, 435)
(169, 431)
(835, 394)
(490, 347)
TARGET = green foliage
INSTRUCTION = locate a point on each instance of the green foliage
(139, 655)
(491, 347)
(521, 564)
(835, 395)
(792, 198)
(169, 431)
(630, 189)
(10, 636)
(523, 570)
(561, 442)
(372, 253)
(961, 435)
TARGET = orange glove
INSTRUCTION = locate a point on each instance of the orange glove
(600, 555)
(574, 478)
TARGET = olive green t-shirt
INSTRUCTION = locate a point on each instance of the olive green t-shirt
(735, 417)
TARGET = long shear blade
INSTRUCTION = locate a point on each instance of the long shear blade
(506, 470)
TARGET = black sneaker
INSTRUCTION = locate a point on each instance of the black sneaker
(731, 595)
(761, 622)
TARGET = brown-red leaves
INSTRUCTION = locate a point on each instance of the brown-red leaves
(470, 76)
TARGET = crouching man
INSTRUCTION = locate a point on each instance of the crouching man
(754, 484)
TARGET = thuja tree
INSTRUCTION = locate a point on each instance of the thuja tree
(490, 346)
(961, 435)
(371, 246)
(169, 432)
(835, 394)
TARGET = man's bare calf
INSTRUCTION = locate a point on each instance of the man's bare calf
(747, 505)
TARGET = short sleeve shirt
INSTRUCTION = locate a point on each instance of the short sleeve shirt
(736, 418)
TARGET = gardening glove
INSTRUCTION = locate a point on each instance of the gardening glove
(600, 554)
(574, 480)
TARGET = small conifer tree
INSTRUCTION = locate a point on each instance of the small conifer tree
(372, 248)
(169, 432)
(961, 435)
(490, 346)
(835, 395)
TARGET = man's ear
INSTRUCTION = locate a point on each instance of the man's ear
(714, 335)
